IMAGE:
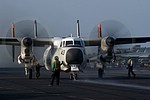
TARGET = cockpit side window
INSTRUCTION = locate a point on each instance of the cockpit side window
(61, 44)
(64, 44)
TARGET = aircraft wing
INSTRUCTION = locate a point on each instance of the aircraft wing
(17, 41)
(9, 41)
(42, 42)
(92, 42)
(132, 40)
(118, 41)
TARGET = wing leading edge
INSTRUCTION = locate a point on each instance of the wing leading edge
(48, 41)
(92, 42)
(118, 41)
(17, 41)
(132, 40)
(42, 42)
(9, 41)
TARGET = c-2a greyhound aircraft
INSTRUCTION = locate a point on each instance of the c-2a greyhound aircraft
(70, 50)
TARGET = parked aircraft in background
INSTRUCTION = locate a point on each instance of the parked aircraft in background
(141, 55)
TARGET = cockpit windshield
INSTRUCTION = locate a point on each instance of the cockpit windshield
(69, 43)
(72, 43)
(77, 43)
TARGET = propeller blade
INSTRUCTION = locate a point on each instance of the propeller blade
(13, 30)
(35, 29)
(13, 46)
(115, 29)
(99, 36)
(25, 28)
(13, 53)
(78, 29)
(110, 28)
(99, 31)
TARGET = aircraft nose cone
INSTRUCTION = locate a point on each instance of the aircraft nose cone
(74, 56)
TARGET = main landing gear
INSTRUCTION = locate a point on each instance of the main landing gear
(29, 72)
(100, 72)
(73, 76)
(37, 70)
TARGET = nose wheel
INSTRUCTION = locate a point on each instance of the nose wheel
(73, 76)
(30, 73)
(100, 72)
(37, 70)
(37, 75)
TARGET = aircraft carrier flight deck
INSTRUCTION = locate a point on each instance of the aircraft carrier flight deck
(115, 85)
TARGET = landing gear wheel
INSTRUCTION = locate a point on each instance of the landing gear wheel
(75, 77)
(71, 76)
(30, 74)
(37, 75)
(100, 72)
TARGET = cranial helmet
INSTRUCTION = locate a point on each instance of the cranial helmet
(56, 57)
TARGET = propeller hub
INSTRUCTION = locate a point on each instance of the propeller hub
(27, 41)
(110, 41)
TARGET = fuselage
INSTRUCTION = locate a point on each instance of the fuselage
(71, 52)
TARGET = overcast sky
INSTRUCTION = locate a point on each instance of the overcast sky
(59, 16)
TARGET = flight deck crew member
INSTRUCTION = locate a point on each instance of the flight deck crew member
(130, 67)
(56, 71)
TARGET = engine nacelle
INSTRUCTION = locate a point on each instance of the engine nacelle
(104, 45)
(27, 42)
(107, 44)
(20, 60)
(26, 51)
(26, 47)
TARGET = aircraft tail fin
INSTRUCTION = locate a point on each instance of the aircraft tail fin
(13, 46)
(78, 29)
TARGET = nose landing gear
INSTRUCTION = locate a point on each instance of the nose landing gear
(73, 76)
(28, 72)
